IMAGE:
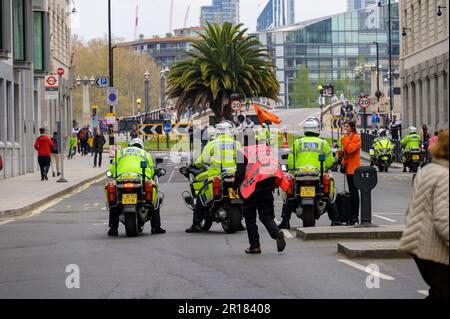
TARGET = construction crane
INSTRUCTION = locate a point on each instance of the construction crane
(171, 16)
(187, 17)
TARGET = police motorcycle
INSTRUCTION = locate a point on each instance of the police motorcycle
(222, 204)
(382, 155)
(414, 158)
(135, 198)
(310, 191)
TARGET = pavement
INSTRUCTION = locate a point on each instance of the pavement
(20, 195)
(38, 252)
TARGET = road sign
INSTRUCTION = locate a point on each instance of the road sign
(60, 71)
(181, 128)
(110, 119)
(167, 128)
(102, 82)
(236, 106)
(51, 87)
(336, 122)
(151, 130)
(364, 102)
(327, 90)
(113, 96)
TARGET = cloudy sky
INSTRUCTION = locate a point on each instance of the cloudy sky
(91, 19)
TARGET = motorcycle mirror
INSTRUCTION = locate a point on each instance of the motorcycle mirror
(159, 160)
(108, 174)
(143, 165)
(162, 172)
(285, 156)
(184, 171)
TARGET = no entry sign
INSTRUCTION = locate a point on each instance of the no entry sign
(60, 71)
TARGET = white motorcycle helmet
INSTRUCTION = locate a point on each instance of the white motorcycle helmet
(382, 133)
(137, 142)
(312, 125)
(412, 130)
(225, 128)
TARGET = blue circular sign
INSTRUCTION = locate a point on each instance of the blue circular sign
(167, 128)
(112, 97)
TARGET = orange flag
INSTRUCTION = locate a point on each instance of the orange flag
(264, 115)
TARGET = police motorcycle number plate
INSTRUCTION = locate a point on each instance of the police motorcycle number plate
(415, 157)
(233, 196)
(308, 192)
(129, 199)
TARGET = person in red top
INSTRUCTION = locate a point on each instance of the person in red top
(351, 143)
(44, 147)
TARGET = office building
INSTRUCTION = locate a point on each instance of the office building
(220, 11)
(424, 62)
(275, 14)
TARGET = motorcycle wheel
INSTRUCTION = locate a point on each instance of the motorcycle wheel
(131, 225)
(206, 224)
(232, 223)
(309, 219)
(414, 168)
(386, 169)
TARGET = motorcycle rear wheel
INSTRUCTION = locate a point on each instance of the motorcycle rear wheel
(309, 219)
(232, 223)
(131, 225)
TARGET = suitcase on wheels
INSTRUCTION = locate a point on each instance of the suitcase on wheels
(344, 206)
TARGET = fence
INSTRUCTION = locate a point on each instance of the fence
(367, 141)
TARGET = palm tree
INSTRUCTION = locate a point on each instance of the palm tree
(223, 63)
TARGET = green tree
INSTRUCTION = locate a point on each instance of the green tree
(91, 59)
(345, 85)
(225, 61)
(303, 94)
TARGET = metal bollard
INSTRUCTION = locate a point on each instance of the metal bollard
(366, 179)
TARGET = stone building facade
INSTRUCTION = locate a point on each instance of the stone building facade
(424, 62)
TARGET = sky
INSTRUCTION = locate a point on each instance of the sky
(91, 19)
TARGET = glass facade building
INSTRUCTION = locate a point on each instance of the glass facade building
(362, 4)
(332, 47)
(220, 11)
(276, 13)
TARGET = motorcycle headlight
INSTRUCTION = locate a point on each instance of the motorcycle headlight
(385, 151)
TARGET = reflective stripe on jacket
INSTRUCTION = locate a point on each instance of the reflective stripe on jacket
(262, 165)
(129, 161)
(411, 142)
(306, 152)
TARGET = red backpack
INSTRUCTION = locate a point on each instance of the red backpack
(83, 135)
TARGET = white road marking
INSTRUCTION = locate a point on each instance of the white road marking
(96, 204)
(385, 218)
(68, 206)
(41, 209)
(287, 233)
(103, 208)
(423, 292)
(388, 214)
(366, 270)
(87, 204)
(171, 176)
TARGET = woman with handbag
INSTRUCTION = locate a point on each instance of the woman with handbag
(351, 144)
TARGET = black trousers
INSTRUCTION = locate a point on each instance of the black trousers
(44, 164)
(354, 193)
(99, 155)
(199, 213)
(114, 219)
(261, 202)
(436, 276)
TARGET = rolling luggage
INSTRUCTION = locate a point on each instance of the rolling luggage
(344, 205)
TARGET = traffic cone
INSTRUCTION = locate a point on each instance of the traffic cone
(285, 143)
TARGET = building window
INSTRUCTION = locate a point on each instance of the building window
(38, 41)
(19, 29)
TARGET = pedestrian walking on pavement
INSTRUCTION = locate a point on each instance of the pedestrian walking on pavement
(44, 146)
(55, 156)
(99, 142)
(426, 236)
(256, 183)
(72, 146)
(351, 144)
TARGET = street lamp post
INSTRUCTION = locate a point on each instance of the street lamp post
(378, 92)
(320, 89)
(147, 91)
(85, 82)
(164, 73)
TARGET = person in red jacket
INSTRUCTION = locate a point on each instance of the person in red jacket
(44, 147)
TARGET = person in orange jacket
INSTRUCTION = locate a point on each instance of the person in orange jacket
(351, 144)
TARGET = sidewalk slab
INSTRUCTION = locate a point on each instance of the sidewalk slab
(350, 232)
(25, 193)
(375, 250)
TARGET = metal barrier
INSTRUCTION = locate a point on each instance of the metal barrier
(367, 141)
